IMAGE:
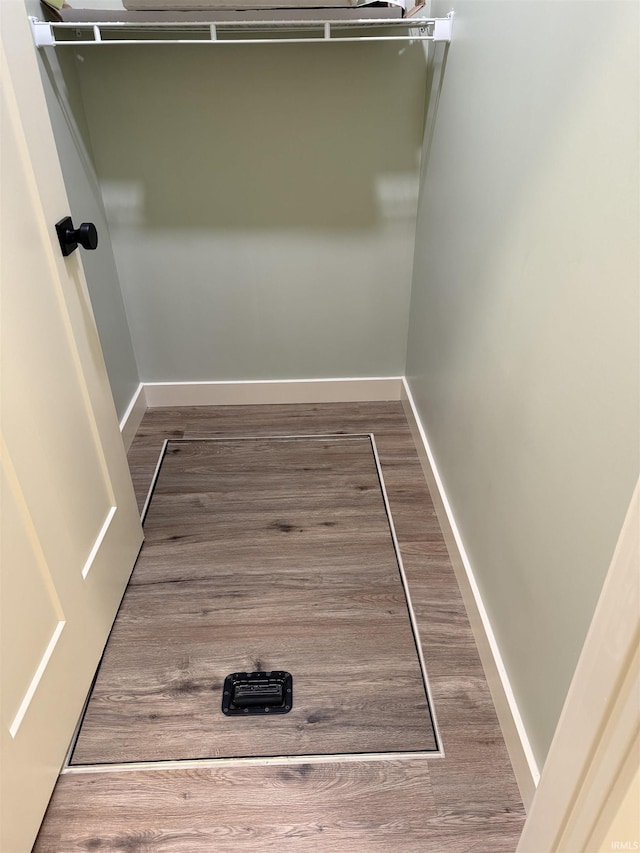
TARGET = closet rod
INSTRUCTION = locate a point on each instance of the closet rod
(240, 32)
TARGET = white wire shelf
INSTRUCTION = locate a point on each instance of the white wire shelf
(59, 34)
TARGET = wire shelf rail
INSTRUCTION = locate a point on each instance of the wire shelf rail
(59, 34)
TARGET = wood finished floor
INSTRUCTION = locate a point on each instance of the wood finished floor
(466, 801)
(261, 555)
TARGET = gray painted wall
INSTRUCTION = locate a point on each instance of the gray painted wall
(62, 91)
(262, 203)
(523, 342)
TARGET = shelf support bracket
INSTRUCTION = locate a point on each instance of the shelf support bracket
(42, 33)
(443, 28)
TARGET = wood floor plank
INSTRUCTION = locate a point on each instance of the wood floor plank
(364, 808)
(466, 801)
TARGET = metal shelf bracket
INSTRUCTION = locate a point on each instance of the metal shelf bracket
(42, 33)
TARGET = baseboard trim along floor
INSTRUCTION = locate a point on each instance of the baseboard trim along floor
(273, 391)
(522, 758)
(132, 418)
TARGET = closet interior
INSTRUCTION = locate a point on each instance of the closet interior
(437, 204)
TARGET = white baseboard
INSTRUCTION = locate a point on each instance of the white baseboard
(133, 416)
(272, 391)
(524, 764)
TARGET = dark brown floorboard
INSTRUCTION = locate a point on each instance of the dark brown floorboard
(466, 801)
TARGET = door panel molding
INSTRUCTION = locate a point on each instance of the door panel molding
(70, 526)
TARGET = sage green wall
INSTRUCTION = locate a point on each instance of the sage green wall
(262, 203)
(60, 81)
(523, 343)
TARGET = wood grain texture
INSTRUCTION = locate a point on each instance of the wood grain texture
(466, 801)
(367, 808)
(273, 554)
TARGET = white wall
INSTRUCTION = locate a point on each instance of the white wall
(262, 204)
(58, 72)
(523, 351)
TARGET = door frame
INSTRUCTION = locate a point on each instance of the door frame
(595, 750)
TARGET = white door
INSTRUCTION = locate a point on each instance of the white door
(70, 529)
